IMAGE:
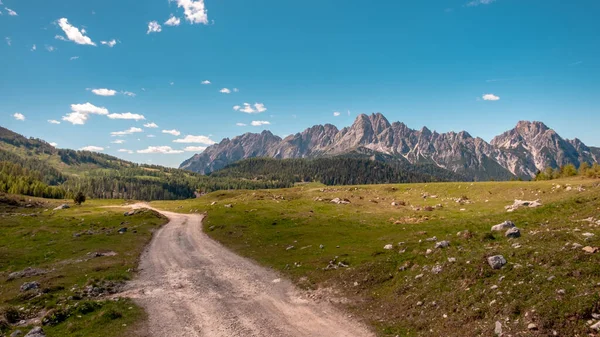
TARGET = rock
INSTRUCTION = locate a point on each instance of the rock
(16, 333)
(561, 292)
(576, 245)
(451, 259)
(339, 201)
(229, 206)
(419, 276)
(388, 247)
(588, 235)
(497, 261)
(129, 213)
(522, 203)
(36, 332)
(431, 239)
(102, 254)
(498, 329)
(213, 203)
(122, 230)
(30, 286)
(596, 326)
(290, 248)
(590, 250)
(503, 226)
(27, 272)
(321, 247)
(532, 326)
(442, 244)
(429, 251)
(513, 233)
(63, 206)
(436, 269)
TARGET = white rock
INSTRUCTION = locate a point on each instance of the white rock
(496, 262)
(503, 226)
(388, 247)
(498, 329)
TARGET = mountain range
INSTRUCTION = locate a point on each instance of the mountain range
(520, 152)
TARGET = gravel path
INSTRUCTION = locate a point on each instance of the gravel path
(190, 285)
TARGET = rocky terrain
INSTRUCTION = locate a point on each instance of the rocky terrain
(520, 152)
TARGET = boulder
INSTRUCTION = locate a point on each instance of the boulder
(513, 233)
(36, 332)
(63, 206)
(122, 230)
(30, 286)
(340, 201)
(497, 261)
(523, 203)
(16, 333)
(442, 244)
(498, 329)
(27, 272)
(388, 247)
(590, 250)
(503, 226)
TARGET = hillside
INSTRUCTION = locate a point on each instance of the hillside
(334, 171)
(521, 152)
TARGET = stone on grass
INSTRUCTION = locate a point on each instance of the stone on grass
(63, 206)
(16, 333)
(442, 244)
(497, 261)
(503, 226)
(436, 269)
(36, 332)
(388, 247)
(590, 250)
(498, 329)
(532, 326)
(596, 326)
(513, 233)
(340, 201)
(30, 286)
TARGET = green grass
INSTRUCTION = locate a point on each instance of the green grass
(463, 299)
(59, 242)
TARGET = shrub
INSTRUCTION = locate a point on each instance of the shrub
(10, 314)
(79, 198)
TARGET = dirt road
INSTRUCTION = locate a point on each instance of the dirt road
(192, 286)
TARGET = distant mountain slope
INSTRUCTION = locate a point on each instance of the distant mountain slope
(335, 171)
(520, 152)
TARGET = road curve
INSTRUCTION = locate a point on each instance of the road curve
(192, 286)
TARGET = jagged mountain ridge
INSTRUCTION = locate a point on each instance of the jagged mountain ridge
(520, 152)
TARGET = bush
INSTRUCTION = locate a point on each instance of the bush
(79, 198)
(10, 314)
(55, 317)
(112, 314)
(88, 307)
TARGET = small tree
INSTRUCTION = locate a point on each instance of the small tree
(79, 198)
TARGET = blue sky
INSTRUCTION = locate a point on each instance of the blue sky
(295, 63)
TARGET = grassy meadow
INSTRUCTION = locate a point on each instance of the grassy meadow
(549, 286)
(70, 249)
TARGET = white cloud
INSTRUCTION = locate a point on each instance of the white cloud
(151, 136)
(127, 115)
(104, 92)
(154, 27)
(151, 125)
(60, 37)
(173, 21)
(260, 123)
(11, 12)
(110, 43)
(205, 82)
(118, 141)
(89, 108)
(8, 41)
(19, 116)
(195, 139)
(490, 97)
(194, 11)
(50, 48)
(129, 131)
(53, 121)
(195, 148)
(479, 2)
(128, 93)
(172, 83)
(75, 118)
(34, 48)
(236, 90)
(251, 109)
(336, 114)
(160, 149)
(125, 151)
(172, 132)
(73, 58)
(73, 33)
(92, 148)
(240, 124)
(225, 91)
(53, 144)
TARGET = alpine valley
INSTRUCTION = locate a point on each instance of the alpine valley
(518, 153)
